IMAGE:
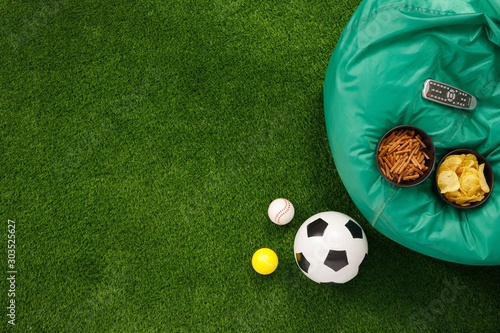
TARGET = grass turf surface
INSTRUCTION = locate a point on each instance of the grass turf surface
(142, 142)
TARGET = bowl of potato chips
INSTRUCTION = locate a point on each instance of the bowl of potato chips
(405, 156)
(464, 178)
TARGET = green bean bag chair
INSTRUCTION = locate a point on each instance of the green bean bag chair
(374, 82)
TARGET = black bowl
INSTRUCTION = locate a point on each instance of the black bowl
(488, 174)
(429, 150)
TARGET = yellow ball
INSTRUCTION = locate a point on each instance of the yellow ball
(264, 261)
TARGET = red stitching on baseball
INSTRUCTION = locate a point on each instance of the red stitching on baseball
(283, 211)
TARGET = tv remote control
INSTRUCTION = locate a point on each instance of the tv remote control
(445, 94)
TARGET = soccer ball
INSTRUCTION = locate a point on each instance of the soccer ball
(329, 247)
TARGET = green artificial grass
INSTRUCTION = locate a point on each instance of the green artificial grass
(142, 142)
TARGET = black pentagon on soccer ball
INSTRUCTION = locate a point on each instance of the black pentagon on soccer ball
(302, 261)
(355, 229)
(316, 228)
(336, 260)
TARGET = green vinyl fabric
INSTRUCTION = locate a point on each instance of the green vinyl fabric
(373, 83)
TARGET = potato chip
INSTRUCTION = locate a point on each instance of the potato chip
(448, 181)
(445, 168)
(482, 180)
(469, 179)
(474, 191)
(467, 164)
(468, 199)
(453, 195)
(452, 162)
(470, 157)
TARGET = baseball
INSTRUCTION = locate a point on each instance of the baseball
(281, 211)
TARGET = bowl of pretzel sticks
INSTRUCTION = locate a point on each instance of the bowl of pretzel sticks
(405, 156)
